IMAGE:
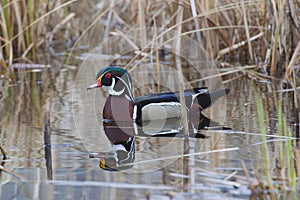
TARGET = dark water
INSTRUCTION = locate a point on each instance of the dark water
(198, 167)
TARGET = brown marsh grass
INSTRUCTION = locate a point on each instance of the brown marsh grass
(247, 32)
(27, 26)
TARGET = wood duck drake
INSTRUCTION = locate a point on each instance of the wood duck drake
(121, 105)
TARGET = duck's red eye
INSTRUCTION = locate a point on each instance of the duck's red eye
(107, 75)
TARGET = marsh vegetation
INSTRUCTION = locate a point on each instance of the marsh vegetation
(254, 45)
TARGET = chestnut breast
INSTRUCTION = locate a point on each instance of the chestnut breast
(118, 109)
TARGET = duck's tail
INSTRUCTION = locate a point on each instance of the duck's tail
(207, 98)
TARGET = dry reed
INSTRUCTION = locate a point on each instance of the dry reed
(263, 26)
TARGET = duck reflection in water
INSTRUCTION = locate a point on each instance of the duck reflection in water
(122, 137)
(122, 150)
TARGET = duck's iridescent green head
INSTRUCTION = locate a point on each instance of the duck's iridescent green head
(116, 79)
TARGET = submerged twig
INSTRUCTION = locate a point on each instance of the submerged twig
(47, 141)
(4, 158)
(2, 168)
(3, 153)
(47, 131)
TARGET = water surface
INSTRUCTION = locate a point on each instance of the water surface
(197, 167)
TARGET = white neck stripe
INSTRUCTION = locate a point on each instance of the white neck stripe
(111, 90)
(127, 86)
